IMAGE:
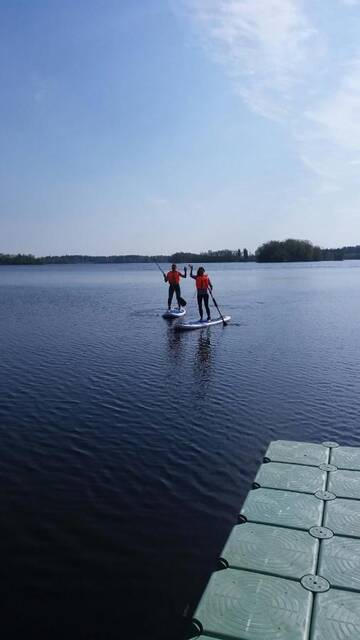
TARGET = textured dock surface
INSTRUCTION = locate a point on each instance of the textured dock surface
(292, 565)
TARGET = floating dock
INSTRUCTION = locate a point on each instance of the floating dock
(291, 568)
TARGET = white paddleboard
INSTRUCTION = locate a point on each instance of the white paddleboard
(190, 325)
(174, 313)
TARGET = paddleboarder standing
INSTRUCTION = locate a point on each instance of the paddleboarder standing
(203, 284)
(173, 278)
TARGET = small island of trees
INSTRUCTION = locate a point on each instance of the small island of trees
(292, 250)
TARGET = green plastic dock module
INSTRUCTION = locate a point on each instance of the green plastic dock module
(252, 606)
(297, 452)
(291, 477)
(346, 458)
(276, 550)
(336, 616)
(345, 484)
(343, 517)
(285, 508)
(340, 562)
(291, 568)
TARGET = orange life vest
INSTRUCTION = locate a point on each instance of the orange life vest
(202, 282)
(173, 277)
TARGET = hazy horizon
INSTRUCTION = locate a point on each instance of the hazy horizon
(167, 254)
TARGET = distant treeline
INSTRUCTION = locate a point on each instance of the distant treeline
(223, 255)
(21, 258)
(274, 251)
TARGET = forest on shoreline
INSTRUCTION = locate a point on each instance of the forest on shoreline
(289, 250)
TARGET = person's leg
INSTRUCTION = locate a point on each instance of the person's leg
(171, 293)
(177, 291)
(199, 299)
(206, 302)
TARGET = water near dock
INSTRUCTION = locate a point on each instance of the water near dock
(127, 449)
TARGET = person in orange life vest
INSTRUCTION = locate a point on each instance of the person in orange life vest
(203, 283)
(173, 278)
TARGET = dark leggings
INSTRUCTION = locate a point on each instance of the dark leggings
(200, 298)
(174, 288)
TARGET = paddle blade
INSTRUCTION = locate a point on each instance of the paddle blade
(216, 305)
(183, 302)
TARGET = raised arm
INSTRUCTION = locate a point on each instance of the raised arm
(183, 275)
(191, 272)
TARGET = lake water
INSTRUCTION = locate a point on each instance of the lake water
(126, 449)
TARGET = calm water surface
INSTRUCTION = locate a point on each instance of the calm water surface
(127, 449)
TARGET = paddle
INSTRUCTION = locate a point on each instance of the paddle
(216, 305)
(181, 300)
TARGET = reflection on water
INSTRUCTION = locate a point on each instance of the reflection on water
(174, 345)
(198, 347)
(204, 346)
(202, 364)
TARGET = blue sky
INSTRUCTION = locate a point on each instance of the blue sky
(156, 126)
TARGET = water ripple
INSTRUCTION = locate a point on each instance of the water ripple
(127, 448)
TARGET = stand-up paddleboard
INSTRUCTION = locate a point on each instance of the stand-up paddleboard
(174, 313)
(190, 325)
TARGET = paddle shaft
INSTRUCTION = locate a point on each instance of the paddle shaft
(216, 305)
(158, 266)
